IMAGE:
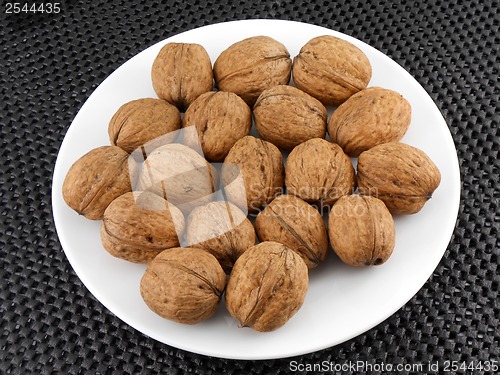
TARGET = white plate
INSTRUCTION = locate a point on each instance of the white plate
(342, 302)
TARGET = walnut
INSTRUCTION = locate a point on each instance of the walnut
(402, 176)
(331, 69)
(138, 226)
(140, 123)
(291, 221)
(181, 72)
(260, 165)
(361, 230)
(96, 179)
(183, 284)
(287, 116)
(267, 286)
(222, 229)
(318, 171)
(221, 118)
(180, 175)
(252, 65)
(369, 118)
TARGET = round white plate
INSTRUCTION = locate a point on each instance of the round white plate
(342, 302)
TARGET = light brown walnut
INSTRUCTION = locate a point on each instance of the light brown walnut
(260, 165)
(180, 175)
(287, 116)
(183, 284)
(181, 72)
(361, 230)
(267, 286)
(291, 221)
(221, 118)
(252, 65)
(402, 176)
(222, 229)
(369, 118)
(331, 69)
(143, 122)
(319, 172)
(97, 178)
(138, 226)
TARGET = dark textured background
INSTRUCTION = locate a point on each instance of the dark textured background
(51, 64)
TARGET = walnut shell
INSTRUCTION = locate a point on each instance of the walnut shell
(294, 223)
(140, 122)
(96, 179)
(181, 72)
(221, 118)
(267, 286)
(402, 176)
(260, 164)
(287, 116)
(369, 118)
(180, 175)
(222, 229)
(252, 65)
(361, 230)
(138, 226)
(331, 69)
(319, 179)
(183, 284)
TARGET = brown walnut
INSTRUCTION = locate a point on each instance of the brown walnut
(97, 178)
(267, 286)
(221, 118)
(181, 72)
(361, 230)
(252, 65)
(183, 284)
(260, 165)
(294, 223)
(402, 176)
(138, 226)
(369, 118)
(331, 69)
(287, 116)
(222, 229)
(180, 175)
(318, 171)
(143, 122)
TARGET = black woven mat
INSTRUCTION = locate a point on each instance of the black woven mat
(50, 64)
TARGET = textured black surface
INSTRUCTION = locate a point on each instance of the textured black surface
(51, 64)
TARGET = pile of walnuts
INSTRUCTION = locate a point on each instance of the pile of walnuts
(160, 210)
